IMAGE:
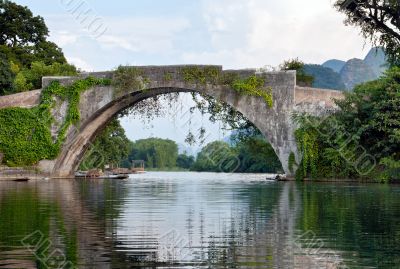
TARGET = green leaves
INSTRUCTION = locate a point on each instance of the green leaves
(25, 136)
(110, 147)
(156, 152)
(378, 21)
(253, 86)
(368, 122)
(127, 78)
(23, 43)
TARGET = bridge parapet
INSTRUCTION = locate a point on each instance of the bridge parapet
(316, 101)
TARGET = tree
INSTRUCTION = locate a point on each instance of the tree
(38, 70)
(379, 21)
(302, 78)
(110, 147)
(372, 114)
(24, 44)
(18, 26)
(6, 75)
(184, 161)
(216, 156)
(257, 156)
(156, 152)
(366, 126)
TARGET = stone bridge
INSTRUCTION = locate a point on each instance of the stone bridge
(100, 104)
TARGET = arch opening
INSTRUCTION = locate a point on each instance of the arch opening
(79, 141)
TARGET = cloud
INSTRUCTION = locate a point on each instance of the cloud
(233, 33)
(257, 33)
(145, 34)
(64, 38)
(152, 35)
(81, 64)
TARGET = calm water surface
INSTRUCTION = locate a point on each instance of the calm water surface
(198, 220)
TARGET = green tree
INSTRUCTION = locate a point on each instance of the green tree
(6, 74)
(110, 147)
(38, 70)
(185, 161)
(379, 21)
(367, 124)
(156, 152)
(24, 44)
(217, 156)
(302, 78)
(18, 26)
(256, 155)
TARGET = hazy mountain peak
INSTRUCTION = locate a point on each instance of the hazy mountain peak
(334, 64)
(377, 60)
(356, 71)
(352, 72)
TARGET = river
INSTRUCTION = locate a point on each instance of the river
(198, 220)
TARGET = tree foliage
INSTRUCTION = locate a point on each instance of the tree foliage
(156, 152)
(256, 155)
(6, 74)
(379, 21)
(111, 147)
(216, 156)
(250, 154)
(18, 26)
(25, 133)
(185, 161)
(302, 78)
(24, 45)
(361, 139)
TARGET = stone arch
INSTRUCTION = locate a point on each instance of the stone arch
(99, 105)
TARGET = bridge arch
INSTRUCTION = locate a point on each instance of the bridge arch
(74, 150)
(99, 105)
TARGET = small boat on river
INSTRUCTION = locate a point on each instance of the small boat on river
(88, 175)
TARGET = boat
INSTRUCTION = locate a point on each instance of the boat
(86, 175)
(22, 179)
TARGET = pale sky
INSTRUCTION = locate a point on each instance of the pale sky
(100, 35)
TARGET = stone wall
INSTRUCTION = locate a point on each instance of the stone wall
(316, 101)
(23, 99)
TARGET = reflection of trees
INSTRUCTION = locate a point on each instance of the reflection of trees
(259, 236)
(105, 198)
(345, 214)
(57, 210)
(21, 213)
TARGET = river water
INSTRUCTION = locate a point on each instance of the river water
(198, 220)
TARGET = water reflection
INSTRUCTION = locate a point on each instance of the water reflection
(193, 220)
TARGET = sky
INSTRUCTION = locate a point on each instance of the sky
(101, 35)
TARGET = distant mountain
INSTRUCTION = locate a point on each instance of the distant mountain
(340, 75)
(377, 60)
(324, 77)
(355, 72)
(335, 65)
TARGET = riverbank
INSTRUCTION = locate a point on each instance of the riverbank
(338, 180)
(14, 174)
(171, 169)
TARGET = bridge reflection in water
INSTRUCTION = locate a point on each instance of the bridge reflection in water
(169, 220)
